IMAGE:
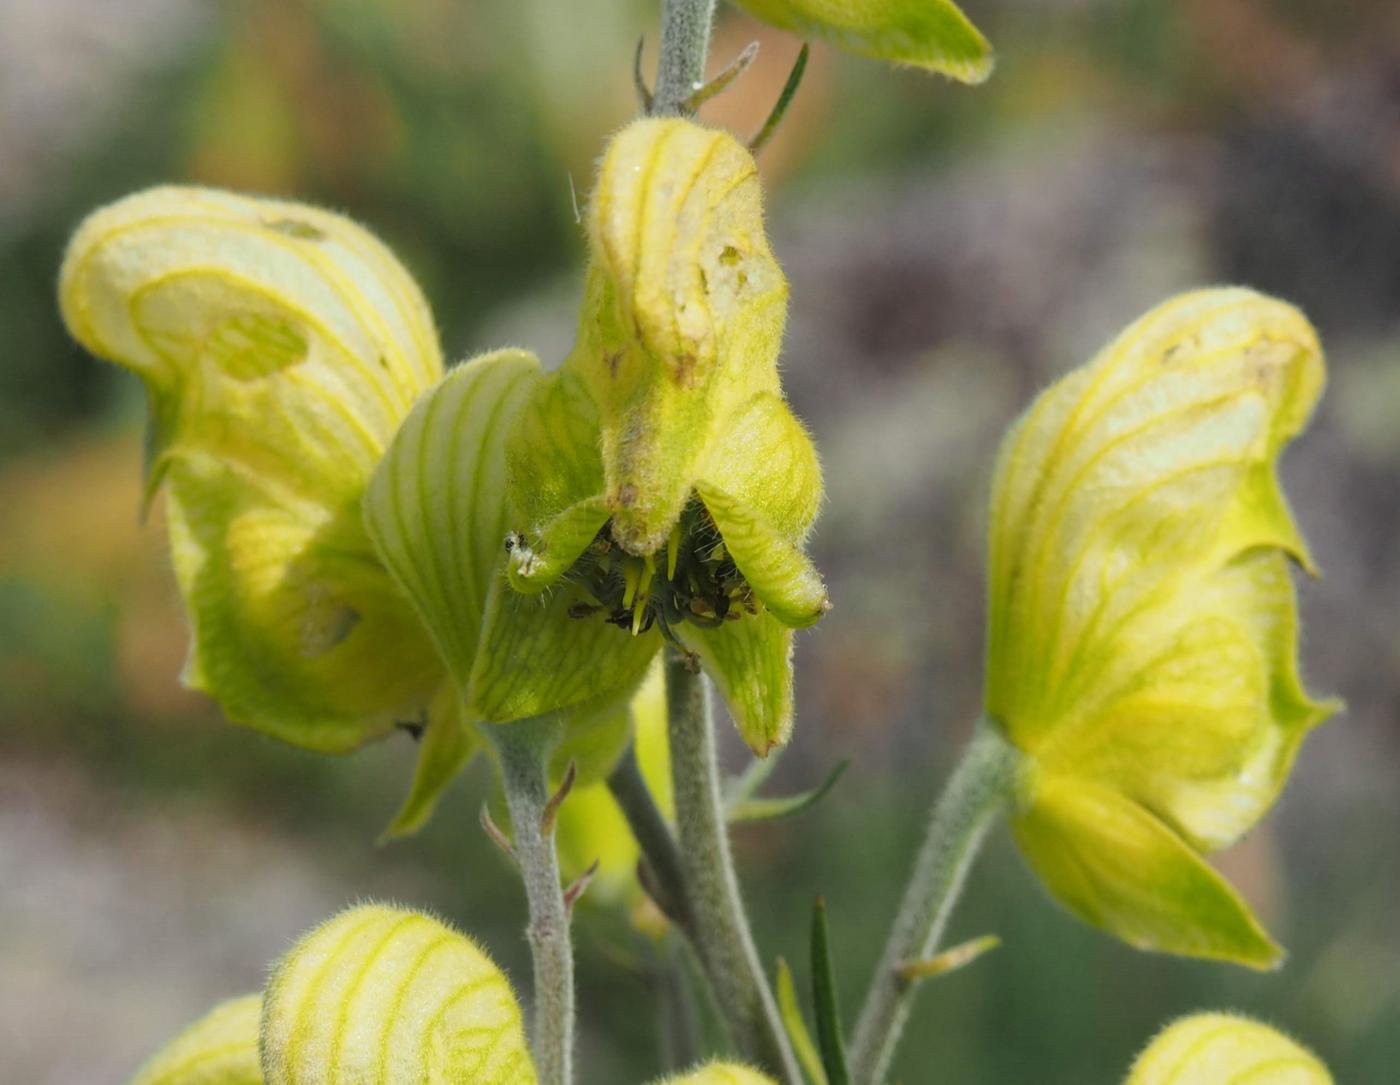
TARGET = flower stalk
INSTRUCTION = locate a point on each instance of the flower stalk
(720, 928)
(524, 748)
(685, 44)
(979, 789)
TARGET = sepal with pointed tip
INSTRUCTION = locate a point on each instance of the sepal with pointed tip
(931, 34)
(1221, 1049)
(384, 995)
(280, 346)
(221, 1048)
(1143, 632)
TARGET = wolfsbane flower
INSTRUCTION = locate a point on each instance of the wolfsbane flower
(1225, 1049)
(1143, 630)
(657, 485)
(280, 347)
(680, 488)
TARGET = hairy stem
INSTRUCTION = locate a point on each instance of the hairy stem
(719, 928)
(524, 748)
(685, 43)
(975, 794)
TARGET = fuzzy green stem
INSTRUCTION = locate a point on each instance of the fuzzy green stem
(685, 43)
(975, 795)
(720, 928)
(524, 748)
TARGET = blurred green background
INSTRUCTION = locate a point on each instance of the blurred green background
(950, 251)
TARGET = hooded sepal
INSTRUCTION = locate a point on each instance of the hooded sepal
(280, 346)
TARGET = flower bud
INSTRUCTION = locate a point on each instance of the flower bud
(280, 347)
(1222, 1049)
(931, 34)
(659, 478)
(721, 1073)
(395, 997)
(221, 1048)
(1143, 628)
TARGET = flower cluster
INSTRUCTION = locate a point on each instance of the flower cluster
(362, 541)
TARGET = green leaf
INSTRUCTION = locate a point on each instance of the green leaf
(931, 34)
(796, 1027)
(825, 1001)
(761, 809)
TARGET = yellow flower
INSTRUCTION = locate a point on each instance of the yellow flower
(1143, 628)
(375, 994)
(720, 1073)
(221, 1048)
(1223, 1049)
(384, 995)
(931, 34)
(280, 347)
(659, 482)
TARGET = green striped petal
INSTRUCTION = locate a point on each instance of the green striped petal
(221, 1048)
(280, 346)
(384, 996)
(931, 34)
(1225, 1049)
